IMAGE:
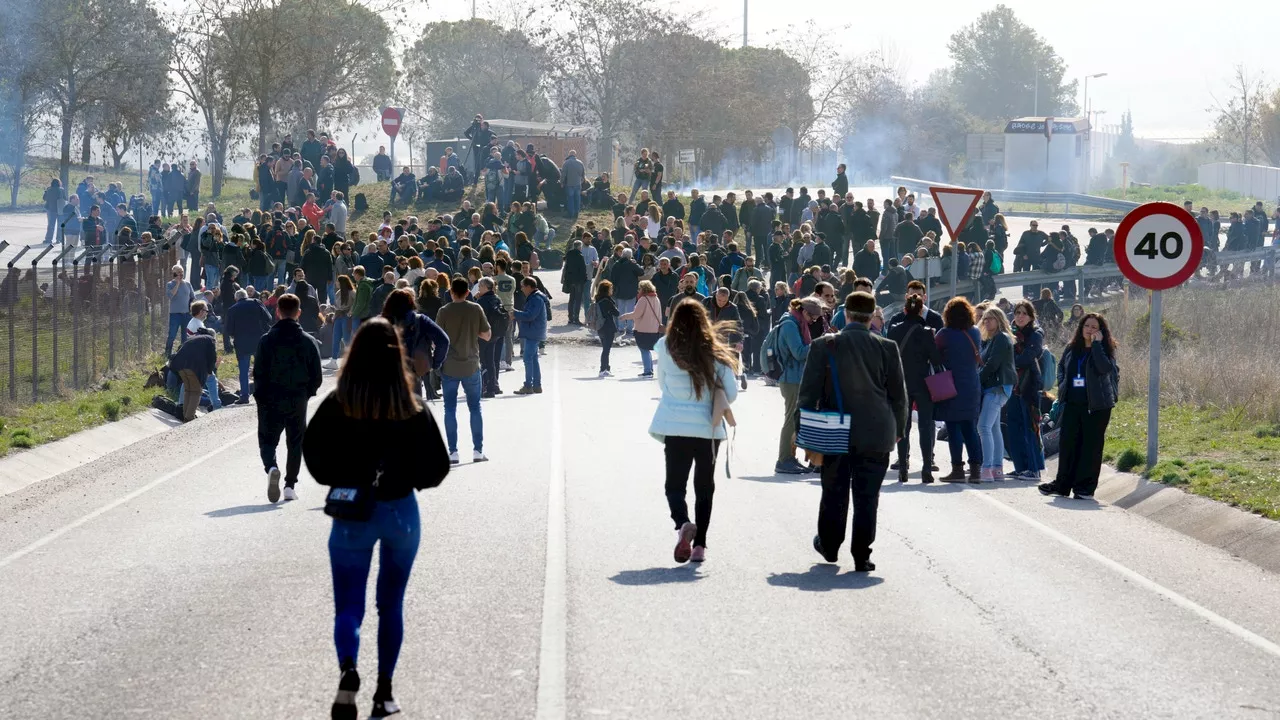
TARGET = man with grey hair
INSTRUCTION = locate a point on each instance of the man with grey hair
(245, 322)
(625, 275)
(576, 280)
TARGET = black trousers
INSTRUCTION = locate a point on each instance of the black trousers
(292, 421)
(699, 454)
(606, 345)
(490, 353)
(1084, 434)
(928, 433)
(751, 351)
(861, 475)
(575, 301)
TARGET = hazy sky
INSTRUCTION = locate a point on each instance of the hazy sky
(1163, 59)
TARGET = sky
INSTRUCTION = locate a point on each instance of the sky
(1162, 60)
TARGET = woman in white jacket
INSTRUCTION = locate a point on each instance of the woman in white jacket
(694, 364)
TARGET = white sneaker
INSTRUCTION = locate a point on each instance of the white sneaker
(289, 493)
(505, 365)
(478, 456)
(605, 374)
(273, 485)
(332, 364)
(453, 458)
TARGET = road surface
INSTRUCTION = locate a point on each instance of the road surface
(158, 582)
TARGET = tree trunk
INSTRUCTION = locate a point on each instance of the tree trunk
(264, 122)
(218, 164)
(15, 181)
(64, 162)
(85, 154)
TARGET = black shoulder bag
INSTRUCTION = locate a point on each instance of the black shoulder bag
(353, 503)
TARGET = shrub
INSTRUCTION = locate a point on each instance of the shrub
(1170, 472)
(1262, 432)
(127, 400)
(22, 441)
(1130, 458)
(1, 424)
(82, 408)
(111, 410)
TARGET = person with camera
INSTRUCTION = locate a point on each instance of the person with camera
(643, 171)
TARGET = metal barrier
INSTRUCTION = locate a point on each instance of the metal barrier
(106, 305)
(943, 288)
(921, 187)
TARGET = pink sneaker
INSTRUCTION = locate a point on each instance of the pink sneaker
(699, 554)
(998, 473)
(684, 542)
(988, 475)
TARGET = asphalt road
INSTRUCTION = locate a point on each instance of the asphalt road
(157, 582)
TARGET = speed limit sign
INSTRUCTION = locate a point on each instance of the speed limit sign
(1158, 246)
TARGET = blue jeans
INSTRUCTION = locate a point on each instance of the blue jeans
(963, 434)
(51, 231)
(282, 273)
(243, 361)
(532, 370)
(177, 325)
(341, 329)
(508, 188)
(470, 386)
(1024, 442)
(573, 202)
(262, 283)
(646, 359)
(211, 390)
(635, 188)
(993, 399)
(212, 277)
(397, 525)
(626, 306)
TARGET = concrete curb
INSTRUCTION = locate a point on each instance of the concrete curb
(1245, 535)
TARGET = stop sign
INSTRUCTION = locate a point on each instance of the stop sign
(391, 121)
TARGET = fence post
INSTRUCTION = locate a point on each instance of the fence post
(114, 311)
(75, 323)
(35, 325)
(56, 312)
(11, 291)
(93, 317)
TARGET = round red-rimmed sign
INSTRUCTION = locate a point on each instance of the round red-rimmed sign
(1158, 246)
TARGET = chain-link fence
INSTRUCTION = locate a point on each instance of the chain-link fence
(69, 316)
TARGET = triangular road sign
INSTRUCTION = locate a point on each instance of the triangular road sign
(955, 205)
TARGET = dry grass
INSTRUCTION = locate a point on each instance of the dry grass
(1219, 350)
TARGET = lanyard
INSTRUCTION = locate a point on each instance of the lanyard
(1080, 365)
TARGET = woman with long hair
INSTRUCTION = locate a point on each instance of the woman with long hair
(429, 301)
(607, 309)
(694, 364)
(346, 298)
(958, 341)
(997, 377)
(1022, 414)
(1088, 381)
(920, 355)
(372, 501)
(648, 322)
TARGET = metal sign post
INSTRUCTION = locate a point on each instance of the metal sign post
(955, 207)
(1158, 246)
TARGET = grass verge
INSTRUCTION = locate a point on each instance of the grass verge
(114, 397)
(1221, 455)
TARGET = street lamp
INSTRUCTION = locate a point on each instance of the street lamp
(1088, 164)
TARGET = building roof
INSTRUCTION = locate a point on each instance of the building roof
(539, 128)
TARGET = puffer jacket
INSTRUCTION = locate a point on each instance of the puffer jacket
(680, 412)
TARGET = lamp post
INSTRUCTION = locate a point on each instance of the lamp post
(1088, 164)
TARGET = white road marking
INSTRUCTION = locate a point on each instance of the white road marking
(124, 499)
(1181, 601)
(552, 655)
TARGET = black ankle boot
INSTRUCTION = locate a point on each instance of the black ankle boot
(902, 471)
(344, 705)
(975, 471)
(384, 705)
(957, 474)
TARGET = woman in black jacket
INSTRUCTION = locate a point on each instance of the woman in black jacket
(1022, 413)
(343, 173)
(372, 499)
(920, 355)
(607, 310)
(310, 317)
(997, 378)
(575, 280)
(1088, 380)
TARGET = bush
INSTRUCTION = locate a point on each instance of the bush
(22, 441)
(127, 400)
(20, 432)
(1170, 472)
(1171, 336)
(1130, 458)
(82, 408)
(1262, 432)
(1, 424)
(111, 410)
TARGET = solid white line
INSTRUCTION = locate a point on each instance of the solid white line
(552, 687)
(1185, 603)
(124, 499)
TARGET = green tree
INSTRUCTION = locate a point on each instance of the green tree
(457, 69)
(1126, 149)
(1003, 69)
(21, 103)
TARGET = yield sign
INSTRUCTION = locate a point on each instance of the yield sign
(955, 205)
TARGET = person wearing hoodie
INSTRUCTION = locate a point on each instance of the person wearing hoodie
(790, 354)
(286, 373)
(697, 208)
(533, 330)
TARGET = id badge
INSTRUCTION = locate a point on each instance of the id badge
(342, 494)
(1077, 382)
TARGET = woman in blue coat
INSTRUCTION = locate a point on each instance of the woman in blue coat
(958, 341)
(693, 363)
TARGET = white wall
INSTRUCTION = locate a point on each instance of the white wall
(1253, 180)
(1024, 162)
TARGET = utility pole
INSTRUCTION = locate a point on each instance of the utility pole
(1035, 101)
(473, 9)
(744, 23)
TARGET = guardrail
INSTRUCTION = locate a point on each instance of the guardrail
(921, 187)
(941, 287)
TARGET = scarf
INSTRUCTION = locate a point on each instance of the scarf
(798, 316)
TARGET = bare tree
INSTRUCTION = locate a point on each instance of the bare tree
(1238, 128)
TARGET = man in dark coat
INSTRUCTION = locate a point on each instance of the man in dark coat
(666, 281)
(245, 322)
(761, 226)
(194, 362)
(840, 186)
(713, 220)
(829, 224)
(286, 372)
(730, 212)
(869, 372)
(575, 280)
(866, 262)
(907, 236)
(697, 208)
